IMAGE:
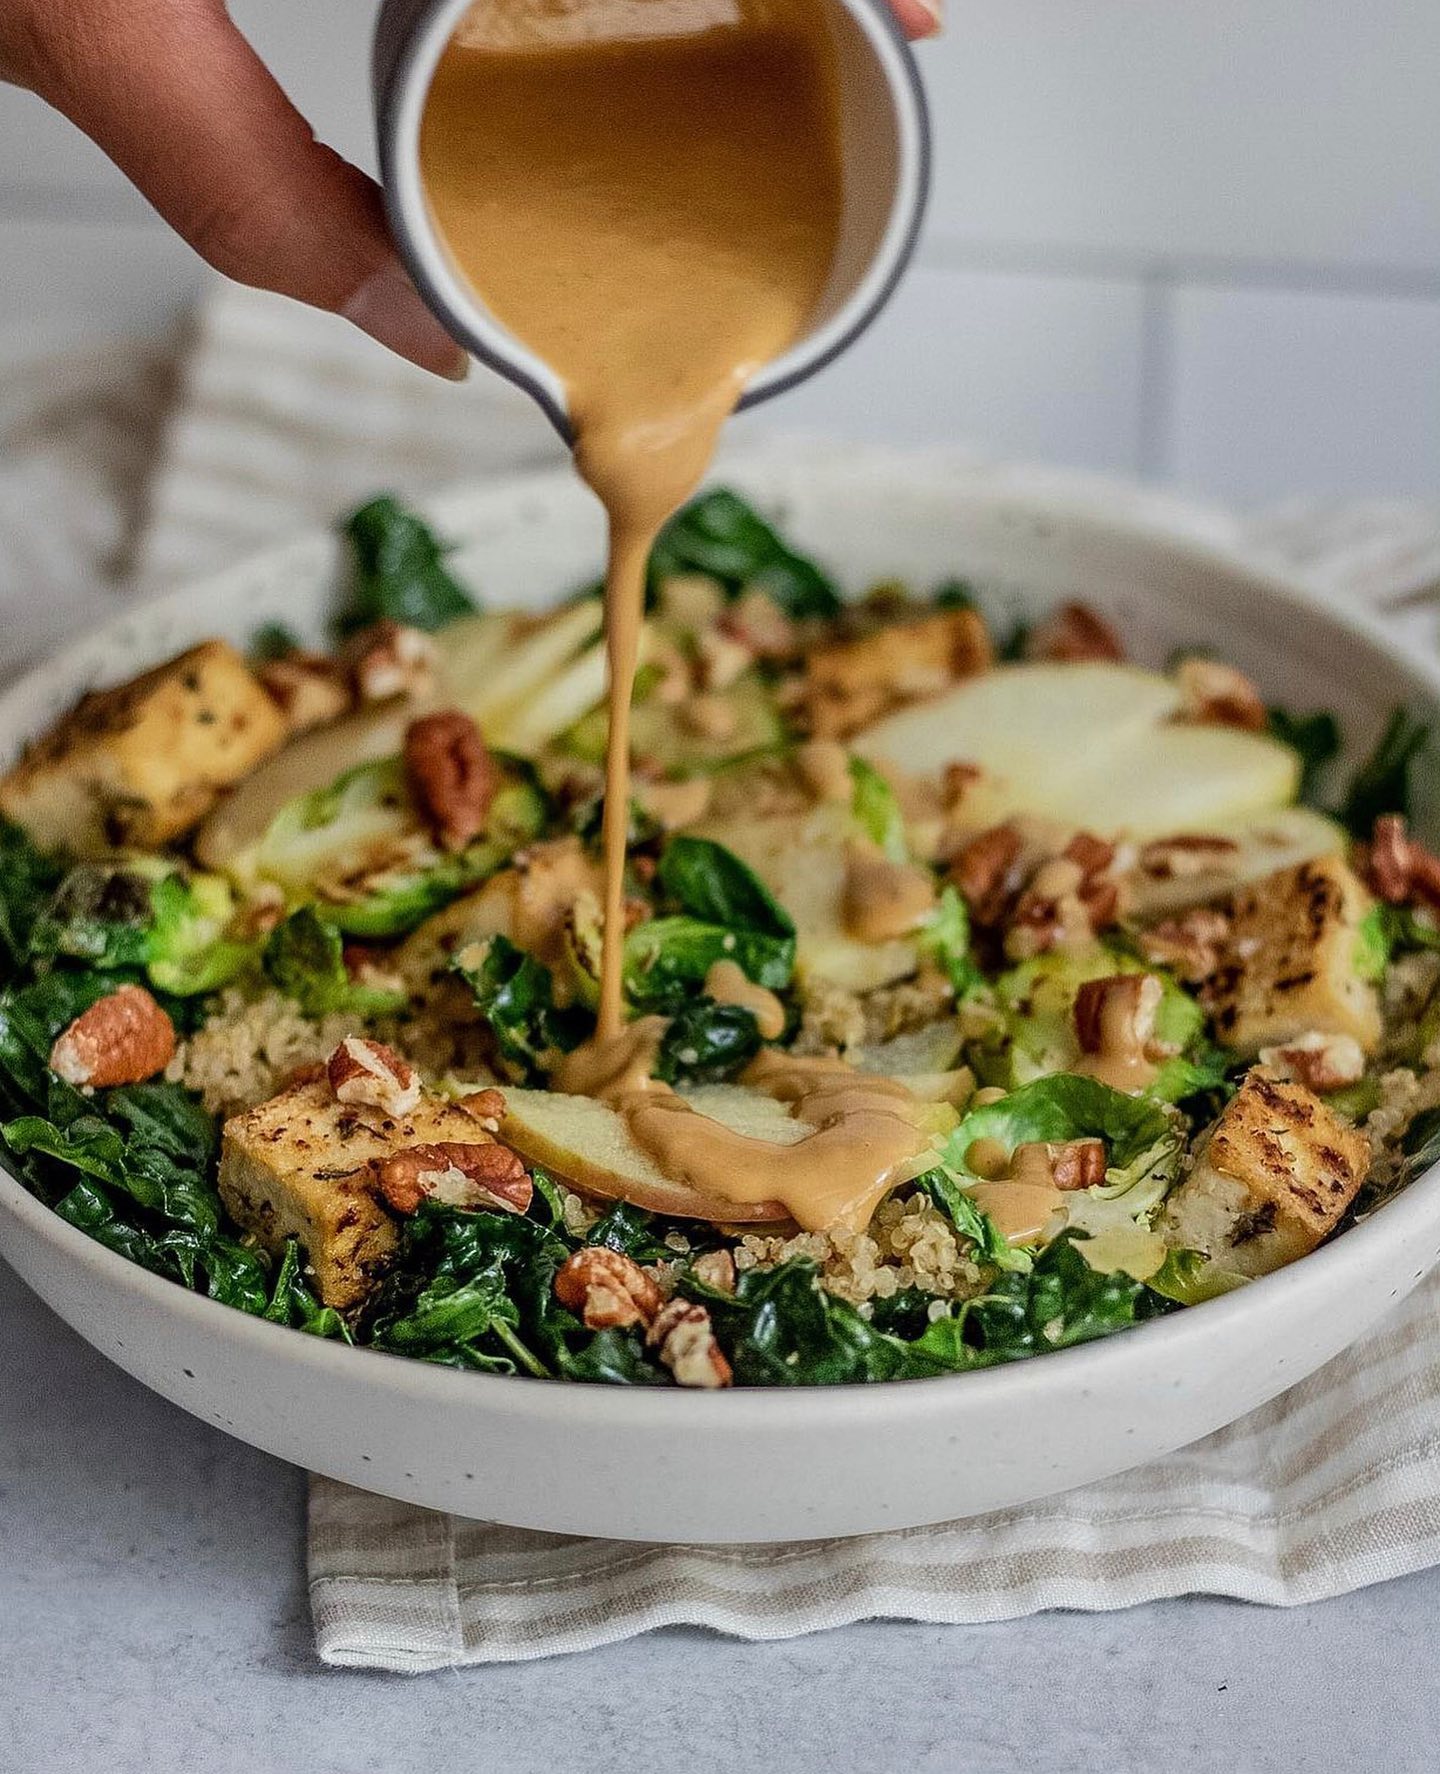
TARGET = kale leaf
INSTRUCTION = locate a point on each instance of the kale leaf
(400, 573)
(515, 995)
(1382, 783)
(28, 877)
(721, 535)
(1316, 737)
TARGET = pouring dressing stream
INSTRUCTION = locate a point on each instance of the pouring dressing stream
(648, 194)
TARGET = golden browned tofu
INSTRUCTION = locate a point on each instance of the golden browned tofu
(1288, 967)
(849, 684)
(142, 763)
(299, 1167)
(1277, 1172)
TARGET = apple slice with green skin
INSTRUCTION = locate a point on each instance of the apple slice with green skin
(1093, 745)
(588, 1145)
(1264, 844)
(491, 665)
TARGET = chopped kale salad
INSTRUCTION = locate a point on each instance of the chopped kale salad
(299, 948)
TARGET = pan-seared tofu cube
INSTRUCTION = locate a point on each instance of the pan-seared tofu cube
(1289, 968)
(299, 1167)
(143, 762)
(849, 684)
(1276, 1174)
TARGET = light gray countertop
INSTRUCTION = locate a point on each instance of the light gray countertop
(153, 1618)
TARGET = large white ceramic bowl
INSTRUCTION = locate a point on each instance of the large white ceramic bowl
(767, 1465)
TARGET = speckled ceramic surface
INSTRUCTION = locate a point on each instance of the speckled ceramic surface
(755, 1465)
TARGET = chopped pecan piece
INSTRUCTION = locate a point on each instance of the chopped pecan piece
(311, 688)
(1115, 1017)
(390, 659)
(1074, 633)
(758, 623)
(1216, 695)
(487, 1106)
(123, 1038)
(716, 1268)
(607, 1290)
(371, 1075)
(1066, 1165)
(685, 1339)
(1320, 1062)
(985, 873)
(1189, 945)
(1397, 868)
(452, 774)
(458, 1173)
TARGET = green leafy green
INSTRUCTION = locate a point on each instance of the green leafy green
(1382, 783)
(400, 572)
(712, 884)
(706, 1042)
(719, 534)
(991, 1245)
(144, 914)
(292, 1303)
(1068, 1107)
(28, 877)
(1188, 1277)
(666, 957)
(1317, 739)
(955, 594)
(877, 811)
(1374, 943)
(305, 959)
(945, 938)
(271, 641)
(515, 995)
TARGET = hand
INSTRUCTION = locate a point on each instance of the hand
(182, 104)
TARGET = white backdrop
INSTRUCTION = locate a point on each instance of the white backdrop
(1199, 241)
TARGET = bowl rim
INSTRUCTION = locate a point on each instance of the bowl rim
(1067, 497)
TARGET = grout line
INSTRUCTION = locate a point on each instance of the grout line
(1157, 379)
(1061, 259)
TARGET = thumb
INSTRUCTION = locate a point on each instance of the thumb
(182, 104)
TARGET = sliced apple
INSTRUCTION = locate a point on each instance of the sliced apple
(801, 859)
(1090, 745)
(1264, 843)
(588, 1144)
(492, 665)
(933, 1048)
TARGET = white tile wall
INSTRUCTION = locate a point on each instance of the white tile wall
(1274, 391)
(973, 355)
(1201, 241)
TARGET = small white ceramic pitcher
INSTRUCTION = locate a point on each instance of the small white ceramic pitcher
(885, 145)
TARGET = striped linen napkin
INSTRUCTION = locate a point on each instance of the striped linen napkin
(281, 418)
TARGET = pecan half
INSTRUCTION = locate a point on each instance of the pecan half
(1319, 1062)
(458, 1173)
(685, 1339)
(371, 1075)
(452, 774)
(1115, 1017)
(311, 688)
(1072, 634)
(1189, 945)
(606, 1289)
(123, 1038)
(389, 659)
(1216, 695)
